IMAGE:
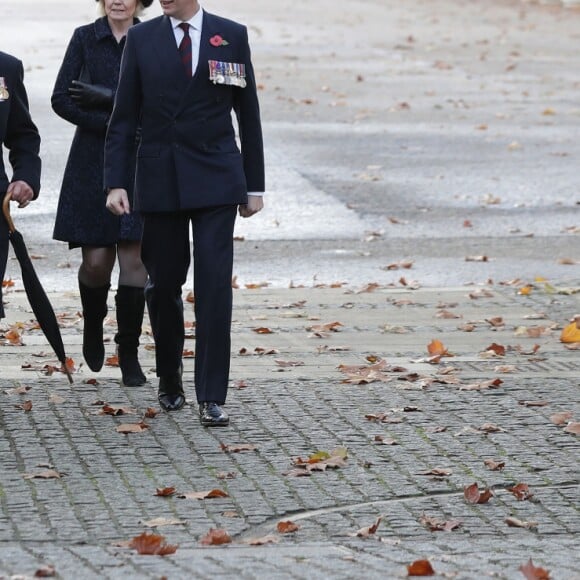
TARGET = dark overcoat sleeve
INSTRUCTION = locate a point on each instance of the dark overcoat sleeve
(247, 112)
(70, 70)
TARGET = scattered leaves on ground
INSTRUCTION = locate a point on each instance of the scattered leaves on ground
(216, 537)
(473, 494)
(152, 545)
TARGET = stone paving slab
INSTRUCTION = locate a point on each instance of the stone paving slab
(107, 490)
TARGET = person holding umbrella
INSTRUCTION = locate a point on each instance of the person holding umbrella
(20, 136)
(83, 95)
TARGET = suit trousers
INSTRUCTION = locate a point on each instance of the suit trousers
(165, 252)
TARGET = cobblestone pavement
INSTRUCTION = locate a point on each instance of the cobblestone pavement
(288, 399)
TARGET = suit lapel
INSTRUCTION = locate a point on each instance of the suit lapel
(202, 71)
(168, 56)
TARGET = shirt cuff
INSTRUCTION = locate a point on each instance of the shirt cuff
(257, 193)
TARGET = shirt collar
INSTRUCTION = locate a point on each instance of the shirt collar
(194, 22)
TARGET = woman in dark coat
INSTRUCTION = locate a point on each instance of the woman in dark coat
(83, 95)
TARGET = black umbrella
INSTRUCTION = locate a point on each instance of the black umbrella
(37, 297)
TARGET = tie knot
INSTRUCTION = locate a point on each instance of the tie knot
(185, 27)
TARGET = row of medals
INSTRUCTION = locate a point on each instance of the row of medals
(4, 94)
(227, 73)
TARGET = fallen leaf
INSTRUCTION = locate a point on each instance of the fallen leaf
(472, 494)
(570, 333)
(26, 406)
(287, 527)
(573, 428)
(160, 522)
(226, 474)
(56, 399)
(533, 403)
(532, 572)
(47, 571)
(127, 428)
(211, 494)
(262, 541)
(516, 523)
(115, 411)
(215, 537)
(561, 418)
(494, 465)
(385, 441)
(437, 472)
(490, 428)
(48, 474)
(368, 531)
(420, 568)
(521, 491)
(151, 413)
(238, 448)
(437, 348)
(437, 525)
(165, 491)
(152, 545)
(112, 361)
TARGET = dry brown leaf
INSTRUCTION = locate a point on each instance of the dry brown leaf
(287, 527)
(26, 406)
(521, 491)
(437, 525)
(533, 403)
(127, 428)
(516, 523)
(472, 494)
(160, 522)
(211, 494)
(47, 571)
(47, 474)
(262, 541)
(368, 531)
(215, 537)
(561, 418)
(490, 428)
(152, 545)
(115, 411)
(532, 572)
(420, 568)
(494, 465)
(238, 448)
(437, 472)
(165, 491)
(573, 428)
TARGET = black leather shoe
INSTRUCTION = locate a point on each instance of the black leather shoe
(170, 393)
(212, 415)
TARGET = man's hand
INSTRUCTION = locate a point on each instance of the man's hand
(254, 205)
(118, 201)
(21, 192)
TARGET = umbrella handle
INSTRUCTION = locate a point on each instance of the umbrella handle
(6, 212)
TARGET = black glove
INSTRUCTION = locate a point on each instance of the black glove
(91, 96)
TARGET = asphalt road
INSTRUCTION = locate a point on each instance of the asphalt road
(425, 131)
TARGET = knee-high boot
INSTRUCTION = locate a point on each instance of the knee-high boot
(130, 303)
(94, 301)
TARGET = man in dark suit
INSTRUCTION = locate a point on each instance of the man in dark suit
(182, 75)
(20, 136)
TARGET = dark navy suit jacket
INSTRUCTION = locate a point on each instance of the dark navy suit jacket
(20, 136)
(188, 156)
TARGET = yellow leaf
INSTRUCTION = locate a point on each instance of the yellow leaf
(570, 333)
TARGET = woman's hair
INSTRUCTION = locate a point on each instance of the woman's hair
(101, 8)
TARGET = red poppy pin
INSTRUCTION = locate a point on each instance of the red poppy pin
(217, 40)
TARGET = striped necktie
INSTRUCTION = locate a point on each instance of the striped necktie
(185, 48)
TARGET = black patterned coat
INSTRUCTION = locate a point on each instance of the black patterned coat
(82, 218)
(20, 137)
